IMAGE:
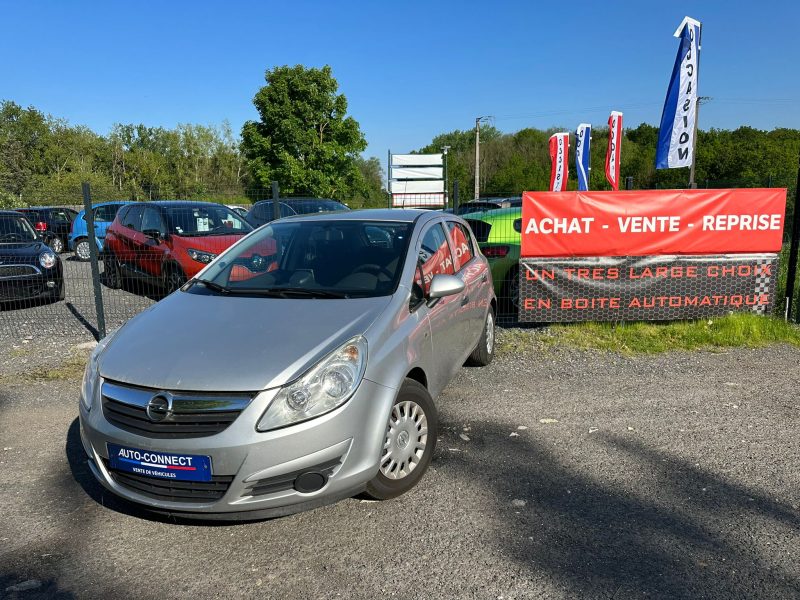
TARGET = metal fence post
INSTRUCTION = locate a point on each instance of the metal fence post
(455, 197)
(98, 293)
(629, 183)
(793, 247)
(276, 208)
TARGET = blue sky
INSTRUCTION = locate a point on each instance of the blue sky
(410, 70)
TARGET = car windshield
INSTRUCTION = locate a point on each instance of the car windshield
(15, 229)
(322, 259)
(211, 219)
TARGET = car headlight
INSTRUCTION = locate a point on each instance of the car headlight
(327, 386)
(47, 259)
(90, 375)
(200, 256)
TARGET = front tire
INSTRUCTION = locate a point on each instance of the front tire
(484, 351)
(174, 278)
(408, 444)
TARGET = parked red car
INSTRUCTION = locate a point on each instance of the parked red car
(167, 243)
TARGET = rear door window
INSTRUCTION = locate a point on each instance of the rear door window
(462, 244)
(106, 213)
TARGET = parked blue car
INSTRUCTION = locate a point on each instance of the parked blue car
(103, 217)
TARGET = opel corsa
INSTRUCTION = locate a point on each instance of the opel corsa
(299, 368)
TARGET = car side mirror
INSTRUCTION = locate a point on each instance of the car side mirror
(154, 234)
(444, 285)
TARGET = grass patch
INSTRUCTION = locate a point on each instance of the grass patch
(733, 331)
(71, 369)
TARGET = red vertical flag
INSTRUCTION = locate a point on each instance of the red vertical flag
(559, 157)
(614, 148)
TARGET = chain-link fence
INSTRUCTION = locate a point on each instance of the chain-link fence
(71, 270)
(59, 280)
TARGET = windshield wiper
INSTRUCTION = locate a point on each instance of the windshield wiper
(213, 286)
(286, 292)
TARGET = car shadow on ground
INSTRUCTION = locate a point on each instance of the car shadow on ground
(677, 531)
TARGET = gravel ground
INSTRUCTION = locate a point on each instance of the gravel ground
(558, 474)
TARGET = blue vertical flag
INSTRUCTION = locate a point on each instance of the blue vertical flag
(583, 142)
(676, 134)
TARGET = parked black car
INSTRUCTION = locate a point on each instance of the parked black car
(54, 220)
(262, 211)
(29, 269)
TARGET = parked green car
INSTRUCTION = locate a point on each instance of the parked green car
(498, 235)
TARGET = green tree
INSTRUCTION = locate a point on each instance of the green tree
(304, 140)
(372, 193)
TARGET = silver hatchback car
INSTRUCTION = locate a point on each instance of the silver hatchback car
(297, 369)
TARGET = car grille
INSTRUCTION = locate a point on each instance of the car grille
(17, 271)
(171, 490)
(481, 229)
(193, 415)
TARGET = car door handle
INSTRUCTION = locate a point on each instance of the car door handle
(465, 301)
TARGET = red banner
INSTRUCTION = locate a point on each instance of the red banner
(559, 159)
(652, 222)
(614, 149)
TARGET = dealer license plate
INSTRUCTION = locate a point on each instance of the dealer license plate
(163, 465)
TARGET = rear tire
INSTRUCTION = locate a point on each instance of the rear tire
(57, 245)
(112, 271)
(82, 250)
(509, 297)
(484, 351)
(408, 444)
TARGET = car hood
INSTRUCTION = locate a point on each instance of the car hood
(195, 342)
(209, 243)
(24, 252)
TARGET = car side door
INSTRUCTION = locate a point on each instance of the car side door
(123, 240)
(474, 272)
(103, 217)
(152, 251)
(435, 257)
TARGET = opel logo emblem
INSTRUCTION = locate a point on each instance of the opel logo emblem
(159, 408)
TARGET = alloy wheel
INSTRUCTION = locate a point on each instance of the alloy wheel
(489, 332)
(57, 245)
(82, 250)
(175, 280)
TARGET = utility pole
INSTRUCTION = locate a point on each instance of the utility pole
(700, 100)
(478, 121)
(692, 184)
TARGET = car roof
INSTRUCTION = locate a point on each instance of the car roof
(188, 203)
(44, 208)
(404, 215)
(13, 213)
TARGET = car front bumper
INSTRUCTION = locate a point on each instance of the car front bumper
(45, 283)
(345, 444)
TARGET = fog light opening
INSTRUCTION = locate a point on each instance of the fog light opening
(309, 482)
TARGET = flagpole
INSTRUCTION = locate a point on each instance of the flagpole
(692, 184)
